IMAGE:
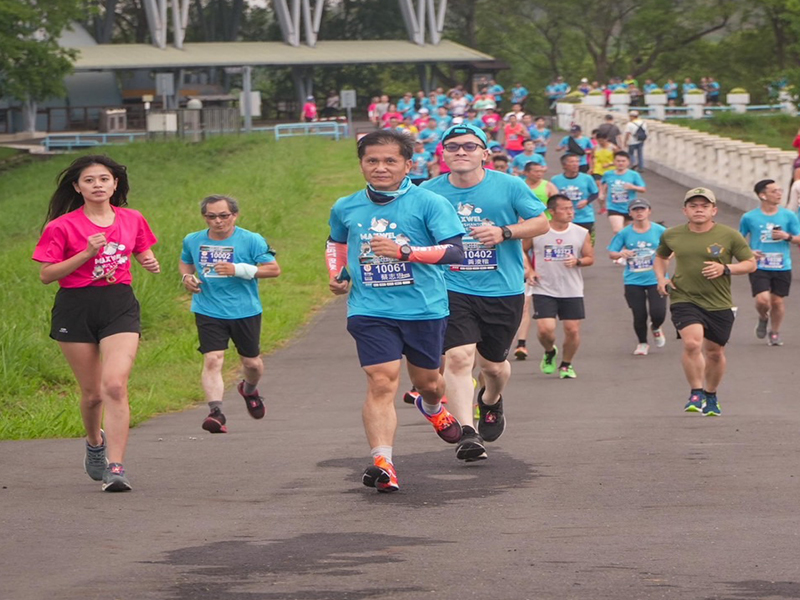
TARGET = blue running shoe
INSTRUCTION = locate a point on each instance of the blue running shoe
(695, 403)
(711, 409)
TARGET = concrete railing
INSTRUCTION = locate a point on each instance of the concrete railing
(728, 167)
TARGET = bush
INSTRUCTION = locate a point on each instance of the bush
(695, 92)
(596, 93)
(654, 92)
(738, 90)
(618, 91)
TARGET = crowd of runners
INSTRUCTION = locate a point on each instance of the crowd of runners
(446, 272)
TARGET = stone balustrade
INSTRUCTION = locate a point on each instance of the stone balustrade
(728, 167)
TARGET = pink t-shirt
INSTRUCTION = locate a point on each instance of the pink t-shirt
(66, 236)
(310, 110)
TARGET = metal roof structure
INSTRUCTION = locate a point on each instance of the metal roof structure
(277, 54)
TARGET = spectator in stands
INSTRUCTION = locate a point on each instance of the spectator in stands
(671, 90)
(712, 88)
(649, 86)
(309, 112)
(584, 87)
(331, 109)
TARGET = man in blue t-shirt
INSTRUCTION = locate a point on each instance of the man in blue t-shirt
(386, 247)
(420, 163)
(580, 188)
(220, 266)
(618, 188)
(540, 134)
(496, 90)
(771, 231)
(486, 290)
(578, 144)
(636, 244)
(519, 94)
(527, 155)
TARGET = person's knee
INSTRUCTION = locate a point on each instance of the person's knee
(252, 363)
(715, 354)
(776, 302)
(460, 359)
(494, 369)
(213, 361)
(572, 329)
(433, 384)
(763, 301)
(115, 389)
(692, 345)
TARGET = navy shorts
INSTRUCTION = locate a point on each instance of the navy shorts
(214, 334)
(380, 340)
(89, 314)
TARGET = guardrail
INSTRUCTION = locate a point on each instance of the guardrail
(323, 128)
(63, 141)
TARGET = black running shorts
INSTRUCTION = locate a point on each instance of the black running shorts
(89, 314)
(214, 334)
(566, 309)
(489, 322)
(774, 282)
(717, 324)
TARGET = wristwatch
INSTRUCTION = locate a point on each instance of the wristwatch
(405, 252)
(726, 270)
(506, 232)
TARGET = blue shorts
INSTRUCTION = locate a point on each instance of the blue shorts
(384, 340)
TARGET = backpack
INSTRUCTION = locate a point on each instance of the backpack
(641, 134)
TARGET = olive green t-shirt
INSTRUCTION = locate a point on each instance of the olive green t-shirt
(720, 244)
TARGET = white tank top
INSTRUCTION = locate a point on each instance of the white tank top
(550, 251)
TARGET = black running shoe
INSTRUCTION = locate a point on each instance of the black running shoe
(491, 423)
(470, 448)
(215, 422)
(410, 397)
(255, 403)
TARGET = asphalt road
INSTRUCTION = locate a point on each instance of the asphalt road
(601, 487)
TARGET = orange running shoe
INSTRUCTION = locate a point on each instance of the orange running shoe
(446, 425)
(381, 475)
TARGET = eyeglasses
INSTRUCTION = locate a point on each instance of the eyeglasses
(221, 216)
(468, 147)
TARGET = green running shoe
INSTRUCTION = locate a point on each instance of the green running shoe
(567, 373)
(548, 364)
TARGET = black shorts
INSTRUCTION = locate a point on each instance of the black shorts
(583, 168)
(587, 226)
(380, 340)
(489, 322)
(717, 324)
(566, 309)
(214, 334)
(620, 214)
(775, 282)
(89, 314)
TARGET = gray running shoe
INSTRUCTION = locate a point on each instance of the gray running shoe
(761, 328)
(114, 479)
(774, 339)
(95, 462)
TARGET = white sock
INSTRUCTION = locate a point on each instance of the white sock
(384, 451)
(431, 409)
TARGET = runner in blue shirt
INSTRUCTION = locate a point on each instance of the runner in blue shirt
(579, 143)
(636, 244)
(618, 188)
(519, 94)
(580, 188)
(220, 266)
(486, 289)
(497, 91)
(420, 163)
(405, 105)
(541, 135)
(527, 155)
(771, 230)
(386, 245)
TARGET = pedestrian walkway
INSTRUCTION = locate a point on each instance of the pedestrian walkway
(600, 488)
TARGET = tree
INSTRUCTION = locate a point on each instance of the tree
(32, 64)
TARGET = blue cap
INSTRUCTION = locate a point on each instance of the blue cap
(457, 130)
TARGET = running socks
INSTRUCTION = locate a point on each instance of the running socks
(249, 388)
(521, 344)
(431, 409)
(384, 451)
(215, 404)
(563, 365)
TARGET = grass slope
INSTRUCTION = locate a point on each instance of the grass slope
(285, 191)
(777, 131)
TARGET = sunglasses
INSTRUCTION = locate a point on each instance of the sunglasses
(468, 147)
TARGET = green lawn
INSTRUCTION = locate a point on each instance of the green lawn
(285, 190)
(7, 152)
(777, 130)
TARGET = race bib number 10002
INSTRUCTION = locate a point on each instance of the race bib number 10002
(211, 255)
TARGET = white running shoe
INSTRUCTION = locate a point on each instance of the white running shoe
(658, 338)
(641, 350)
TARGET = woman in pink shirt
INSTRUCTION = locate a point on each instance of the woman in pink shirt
(515, 134)
(310, 110)
(86, 246)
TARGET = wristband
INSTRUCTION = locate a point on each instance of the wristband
(244, 271)
(185, 275)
